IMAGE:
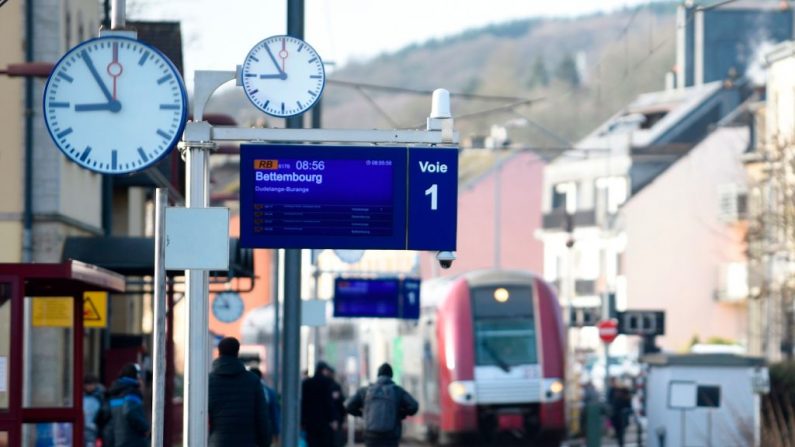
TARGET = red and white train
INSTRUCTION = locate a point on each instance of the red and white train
(492, 358)
(485, 359)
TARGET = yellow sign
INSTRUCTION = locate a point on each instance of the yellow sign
(54, 311)
(58, 311)
(95, 309)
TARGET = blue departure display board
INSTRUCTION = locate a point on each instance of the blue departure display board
(377, 298)
(348, 197)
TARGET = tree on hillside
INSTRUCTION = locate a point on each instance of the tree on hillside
(539, 77)
(567, 71)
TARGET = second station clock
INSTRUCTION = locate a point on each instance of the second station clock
(115, 105)
(283, 76)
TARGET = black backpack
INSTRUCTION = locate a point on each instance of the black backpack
(381, 408)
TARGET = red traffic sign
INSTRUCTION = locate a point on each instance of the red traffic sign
(608, 330)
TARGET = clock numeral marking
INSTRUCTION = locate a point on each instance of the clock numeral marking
(163, 134)
(312, 60)
(253, 58)
(85, 153)
(65, 77)
(300, 106)
(311, 93)
(169, 106)
(114, 155)
(142, 154)
(282, 107)
(254, 91)
(266, 103)
(164, 79)
(251, 75)
(300, 48)
(60, 105)
(64, 133)
(143, 58)
(315, 77)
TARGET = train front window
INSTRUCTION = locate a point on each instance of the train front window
(505, 343)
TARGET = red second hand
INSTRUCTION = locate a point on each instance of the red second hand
(115, 68)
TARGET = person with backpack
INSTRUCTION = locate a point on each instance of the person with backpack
(128, 426)
(383, 405)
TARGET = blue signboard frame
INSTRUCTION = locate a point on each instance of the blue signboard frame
(344, 196)
(377, 298)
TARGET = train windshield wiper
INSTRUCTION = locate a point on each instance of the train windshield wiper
(500, 362)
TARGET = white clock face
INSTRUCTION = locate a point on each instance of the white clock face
(115, 105)
(228, 307)
(283, 76)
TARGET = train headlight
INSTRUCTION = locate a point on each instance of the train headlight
(553, 390)
(501, 295)
(462, 392)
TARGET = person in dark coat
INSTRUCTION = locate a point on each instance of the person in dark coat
(620, 402)
(128, 426)
(238, 414)
(406, 406)
(319, 415)
(340, 436)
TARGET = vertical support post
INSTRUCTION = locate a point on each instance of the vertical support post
(117, 18)
(607, 370)
(196, 356)
(158, 388)
(277, 347)
(497, 212)
(292, 347)
(291, 416)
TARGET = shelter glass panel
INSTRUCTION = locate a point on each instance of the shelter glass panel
(55, 434)
(5, 345)
(48, 352)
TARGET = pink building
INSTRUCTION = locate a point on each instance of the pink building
(496, 227)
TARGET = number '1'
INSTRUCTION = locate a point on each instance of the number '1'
(433, 192)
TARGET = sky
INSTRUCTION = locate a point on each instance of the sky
(217, 35)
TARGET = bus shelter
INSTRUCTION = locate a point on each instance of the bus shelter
(41, 350)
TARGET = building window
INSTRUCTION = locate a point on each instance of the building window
(732, 202)
(564, 197)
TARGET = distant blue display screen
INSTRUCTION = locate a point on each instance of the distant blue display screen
(323, 197)
(366, 298)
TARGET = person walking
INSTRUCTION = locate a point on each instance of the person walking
(319, 415)
(620, 410)
(93, 398)
(238, 415)
(272, 402)
(383, 406)
(340, 435)
(128, 426)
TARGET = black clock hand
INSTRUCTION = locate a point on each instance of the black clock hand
(113, 106)
(274, 76)
(94, 73)
(282, 74)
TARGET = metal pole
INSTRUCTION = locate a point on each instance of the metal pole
(158, 388)
(292, 288)
(117, 18)
(277, 349)
(607, 370)
(292, 340)
(196, 356)
(497, 211)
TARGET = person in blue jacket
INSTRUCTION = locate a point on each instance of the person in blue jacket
(128, 426)
(272, 401)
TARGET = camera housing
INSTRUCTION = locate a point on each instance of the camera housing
(445, 258)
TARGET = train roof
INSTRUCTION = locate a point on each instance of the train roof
(433, 290)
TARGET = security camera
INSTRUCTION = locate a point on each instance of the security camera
(445, 258)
